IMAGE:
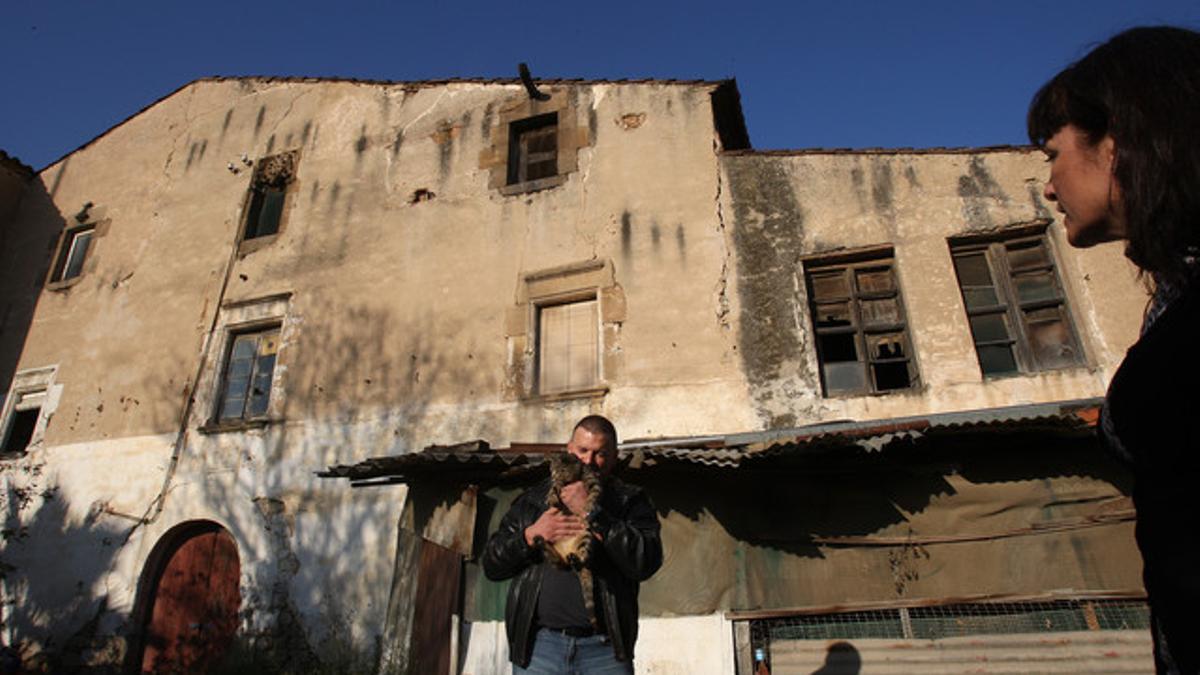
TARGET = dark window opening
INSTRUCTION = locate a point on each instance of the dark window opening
(1015, 305)
(266, 209)
(862, 341)
(20, 430)
(246, 382)
(269, 188)
(73, 254)
(533, 149)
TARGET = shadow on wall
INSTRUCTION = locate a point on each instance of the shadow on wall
(27, 246)
(358, 382)
(60, 626)
(840, 659)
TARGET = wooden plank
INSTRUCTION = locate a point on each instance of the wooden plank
(743, 651)
(439, 579)
(397, 627)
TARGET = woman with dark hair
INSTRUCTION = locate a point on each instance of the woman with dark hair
(1121, 131)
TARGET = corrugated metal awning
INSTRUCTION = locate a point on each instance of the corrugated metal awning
(476, 460)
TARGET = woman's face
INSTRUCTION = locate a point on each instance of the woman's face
(1082, 184)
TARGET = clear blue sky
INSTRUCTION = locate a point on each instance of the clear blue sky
(812, 74)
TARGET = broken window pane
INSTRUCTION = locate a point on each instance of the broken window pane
(837, 347)
(853, 360)
(891, 375)
(886, 346)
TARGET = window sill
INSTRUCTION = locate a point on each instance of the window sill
(237, 425)
(248, 246)
(533, 185)
(593, 392)
(64, 284)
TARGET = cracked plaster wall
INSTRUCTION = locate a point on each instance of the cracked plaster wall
(393, 323)
(782, 208)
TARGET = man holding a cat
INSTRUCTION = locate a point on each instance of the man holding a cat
(578, 544)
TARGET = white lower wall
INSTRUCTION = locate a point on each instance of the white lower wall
(692, 645)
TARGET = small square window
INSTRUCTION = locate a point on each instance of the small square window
(1015, 305)
(862, 339)
(568, 347)
(273, 177)
(22, 421)
(73, 253)
(246, 380)
(533, 149)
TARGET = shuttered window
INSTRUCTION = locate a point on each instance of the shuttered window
(1015, 305)
(861, 333)
(568, 347)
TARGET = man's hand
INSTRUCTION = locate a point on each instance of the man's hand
(574, 496)
(554, 525)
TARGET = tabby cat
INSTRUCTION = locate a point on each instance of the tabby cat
(573, 553)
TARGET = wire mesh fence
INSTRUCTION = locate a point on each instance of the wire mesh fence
(957, 620)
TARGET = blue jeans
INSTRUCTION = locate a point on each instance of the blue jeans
(558, 654)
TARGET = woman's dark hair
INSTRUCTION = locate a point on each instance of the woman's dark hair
(1142, 87)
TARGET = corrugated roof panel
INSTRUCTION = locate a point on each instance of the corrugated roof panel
(735, 450)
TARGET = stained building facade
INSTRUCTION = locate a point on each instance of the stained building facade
(253, 280)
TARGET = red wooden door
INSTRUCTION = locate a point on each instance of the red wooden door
(195, 605)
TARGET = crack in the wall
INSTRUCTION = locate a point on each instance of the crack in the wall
(425, 113)
(287, 111)
(722, 286)
(186, 129)
(284, 638)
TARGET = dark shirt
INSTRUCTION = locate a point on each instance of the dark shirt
(560, 604)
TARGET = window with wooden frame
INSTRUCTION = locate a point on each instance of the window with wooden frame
(245, 390)
(1015, 304)
(533, 149)
(273, 176)
(72, 253)
(568, 347)
(861, 334)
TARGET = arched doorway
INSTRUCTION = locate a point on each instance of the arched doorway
(190, 599)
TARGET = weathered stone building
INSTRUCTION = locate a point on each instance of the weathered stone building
(254, 279)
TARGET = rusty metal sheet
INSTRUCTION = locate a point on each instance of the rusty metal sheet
(439, 576)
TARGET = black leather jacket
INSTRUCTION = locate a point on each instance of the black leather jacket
(630, 551)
